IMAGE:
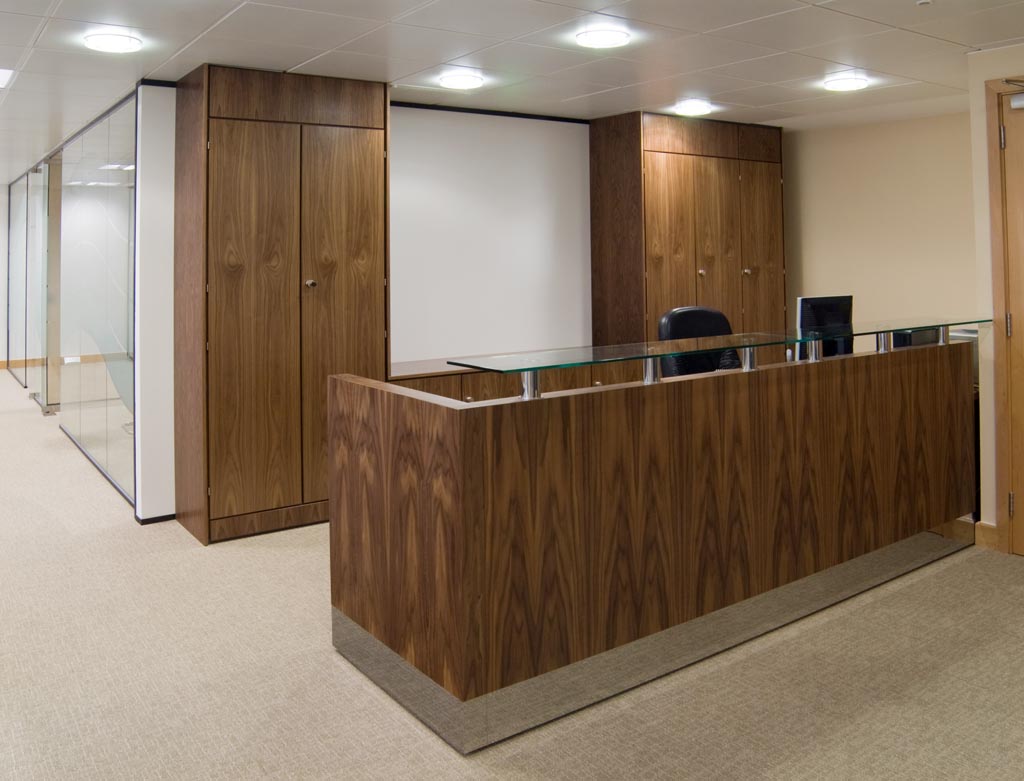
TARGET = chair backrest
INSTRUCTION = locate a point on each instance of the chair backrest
(690, 322)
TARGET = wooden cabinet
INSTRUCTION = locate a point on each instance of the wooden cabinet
(684, 212)
(286, 289)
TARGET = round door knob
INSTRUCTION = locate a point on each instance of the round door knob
(311, 283)
(701, 272)
(748, 271)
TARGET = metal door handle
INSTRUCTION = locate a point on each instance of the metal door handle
(701, 272)
(311, 283)
(748, 271)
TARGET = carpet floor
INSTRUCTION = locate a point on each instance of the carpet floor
(133, 652)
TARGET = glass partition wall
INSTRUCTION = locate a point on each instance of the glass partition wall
(35, 283)
(16, 277)
(97, 302)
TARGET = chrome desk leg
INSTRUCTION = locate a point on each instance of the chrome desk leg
(652, 371)
(748, 359)
(944, 335)
(531, 385)
(814, 351)
(883, 342)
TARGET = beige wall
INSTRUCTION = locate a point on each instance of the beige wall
(883, 212)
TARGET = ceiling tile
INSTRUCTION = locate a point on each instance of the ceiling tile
(886, 51)
(947, 69)
(761, 95)
(73, 85)
(814, 87)
(18, 29)
(224, 51)
(695, 52)
(700, 15)
(430, 78)
(695, 85)
(552, 89)
(643, 35)
(10, 56)
(190, 17)
(906, 14)
(779, 67)
(749, 114)
(69, 36)
(496, 18)
(979, 29)
(810, 26)
(291, 27)
(368, 67)
(414, 43)
(528, 59)
(617, 73)
(85, 64)
(854, 100)
(382, 10)
(29, 7)
(584, 5)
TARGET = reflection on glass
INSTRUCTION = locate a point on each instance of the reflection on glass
(16, 278)
(97, 294)
(35, 304)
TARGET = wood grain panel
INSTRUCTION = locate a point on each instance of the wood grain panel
(237, 93)
(448, 385)
(254, 379)
(759, 142)
(669, 234)
(617, 230)
(565, 379)
(343, 252)
(689, 136)
(761, 252)
(617, 373)
(235, 526)
(717, 228)
(488, 544)
(485, 386)
(190, 464)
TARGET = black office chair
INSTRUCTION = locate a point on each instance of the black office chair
(688, 322)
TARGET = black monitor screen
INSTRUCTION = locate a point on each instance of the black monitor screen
(832, 313)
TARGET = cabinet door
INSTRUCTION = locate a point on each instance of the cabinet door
(716, 198)
(343, 254)
(668, 217)
(764, 281)
(253, 363)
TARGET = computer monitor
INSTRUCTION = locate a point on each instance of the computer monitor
(832, 314)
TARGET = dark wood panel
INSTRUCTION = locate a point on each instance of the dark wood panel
(617, 373)
(485, 386)
(669, 232)
(235, 526)
(190, 470)
(758, 142)
(448, 385)
(762, 254)
(689, 136)
(717, 226)
(565, 379)
(343, 253)
(617, 230)
(543, 532)
(237, 93)
(254, 379)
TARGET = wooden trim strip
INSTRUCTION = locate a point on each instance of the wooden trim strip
(268, 521)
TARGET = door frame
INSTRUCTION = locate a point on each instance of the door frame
(999, 537)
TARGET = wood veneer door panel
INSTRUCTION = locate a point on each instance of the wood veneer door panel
(343, 252)
(254, 387)
(717, 228)
(669, 235)
(763, 265)
(690, 136)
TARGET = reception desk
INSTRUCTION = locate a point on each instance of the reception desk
(490, 543)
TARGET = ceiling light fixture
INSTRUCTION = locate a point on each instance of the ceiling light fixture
(845, 82)
(5, 77)
(113, 43)
(606, 38)
(459, 80)
(693, 107)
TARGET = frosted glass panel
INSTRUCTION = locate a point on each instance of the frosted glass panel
(97, 294)
(35, 303)
(16, 279)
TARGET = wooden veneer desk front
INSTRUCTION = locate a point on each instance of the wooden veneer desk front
(492, 542)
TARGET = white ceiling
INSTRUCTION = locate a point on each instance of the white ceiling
(759, 60)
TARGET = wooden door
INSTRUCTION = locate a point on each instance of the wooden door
(762, 262)
(343, 254)
(253, 313)
(716, 200)
(669, 235)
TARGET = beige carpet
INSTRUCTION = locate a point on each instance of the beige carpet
(133, 652)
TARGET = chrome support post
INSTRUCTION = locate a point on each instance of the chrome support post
(748, 359)
(531, 385)
(944, 334)
(652, 371)
(883, 342)
(814, 349)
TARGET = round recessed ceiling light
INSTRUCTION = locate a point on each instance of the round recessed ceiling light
(113, 43)
(607, 38)
(845, 82)
(461, 81)
(693, 107)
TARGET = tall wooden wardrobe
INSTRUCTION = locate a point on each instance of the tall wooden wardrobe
(280, 265)
(684, 212)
